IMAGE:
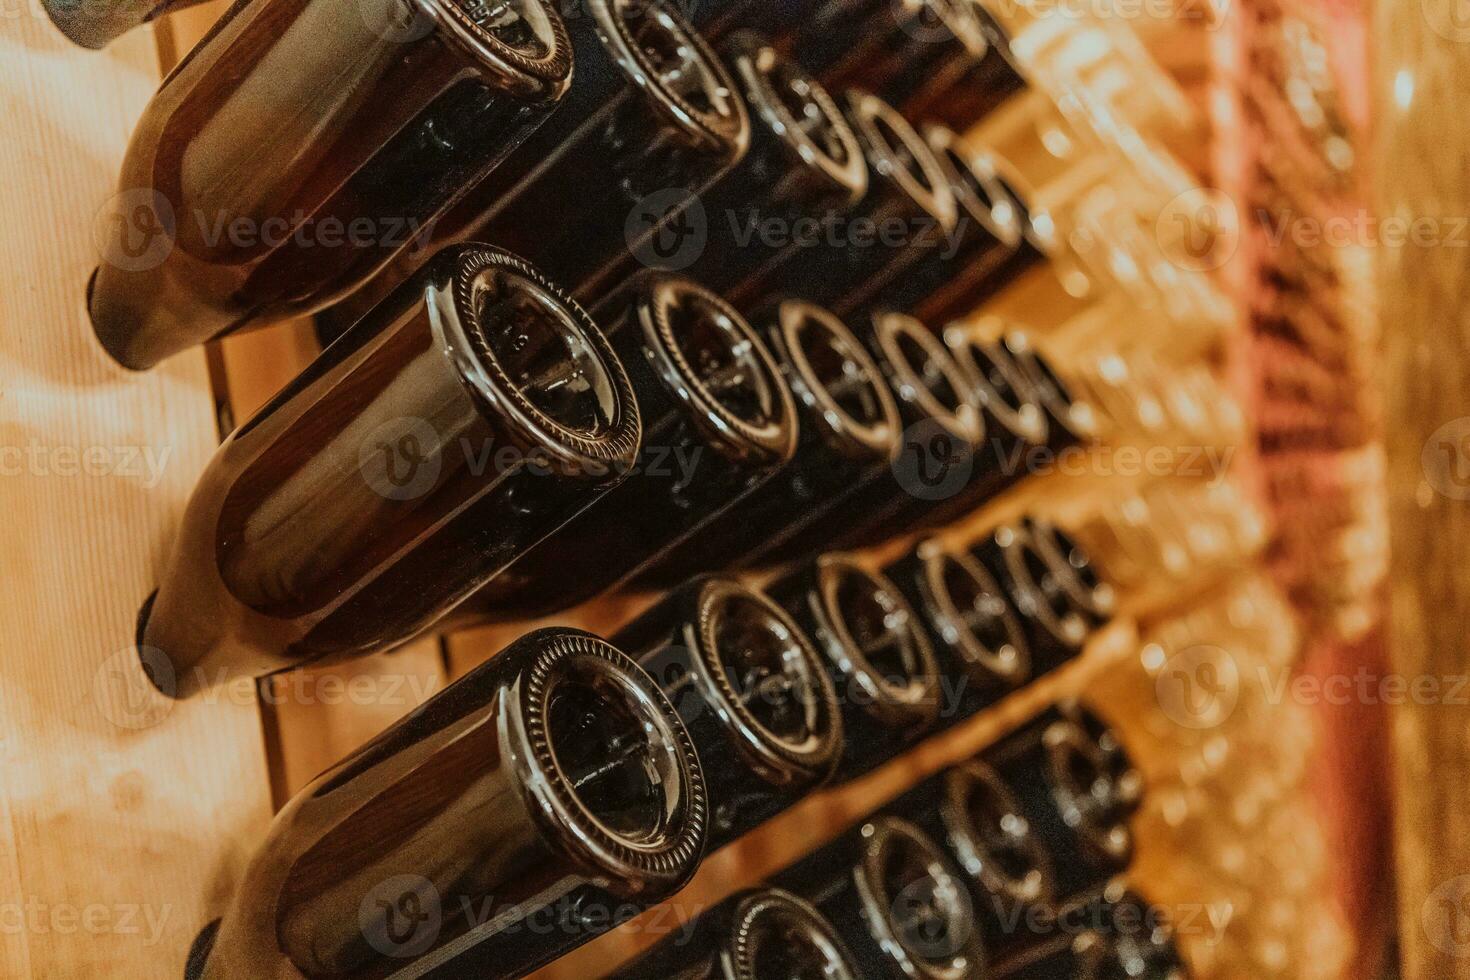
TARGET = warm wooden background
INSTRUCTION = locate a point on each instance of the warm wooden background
(124, 820)
(1422, 159)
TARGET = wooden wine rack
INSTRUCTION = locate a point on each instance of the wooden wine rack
(126, 819)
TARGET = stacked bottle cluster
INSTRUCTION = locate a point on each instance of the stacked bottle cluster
(643, 300)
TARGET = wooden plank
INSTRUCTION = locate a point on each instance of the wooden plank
(1421, 72)
(124, 818)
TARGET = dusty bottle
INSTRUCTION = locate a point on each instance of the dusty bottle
(718, 421)
(1124, 937)
(937, 461)
(1077, 794)
(535, 803)
(473, 413)
(980, 643)
(805, 167)
(653, 119)
(849, 430)
(301, 147)
(897, 900)
(880, 661)
(760, 934)
(980, 823)
(753, 692)
(909, 208)
(1056, 627)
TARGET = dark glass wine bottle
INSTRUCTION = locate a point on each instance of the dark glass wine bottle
(776, 19)
(301, 147)
(1076, 794)
(1074, 571)
(881, 663)
(1013, 420)
(1122, 937)
(1070, 420)
(909, 208)
(849, 431)
(897, 900)
(805, 168)
(474, 412)
(753, 692)
(982, 826)
(761, 934)
(653, 119)
(718, 421)
(942, 426)
(1056, 628)
(980, 643)
(988, 250)
(519, 813)
(900, 49)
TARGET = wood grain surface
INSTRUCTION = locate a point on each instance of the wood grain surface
(124, 817)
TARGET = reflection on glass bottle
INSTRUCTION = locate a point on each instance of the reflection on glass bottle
(896, 899)
(758, 934)
(805, 167)
(881, 663)
(1077, 791)
(980, 643)
(908, 208)
(752, 690)
(653, 118)
(849, 432)
(474, 412)
(301, 147)
(530, 806)
(718, 421)
(1056, 627)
